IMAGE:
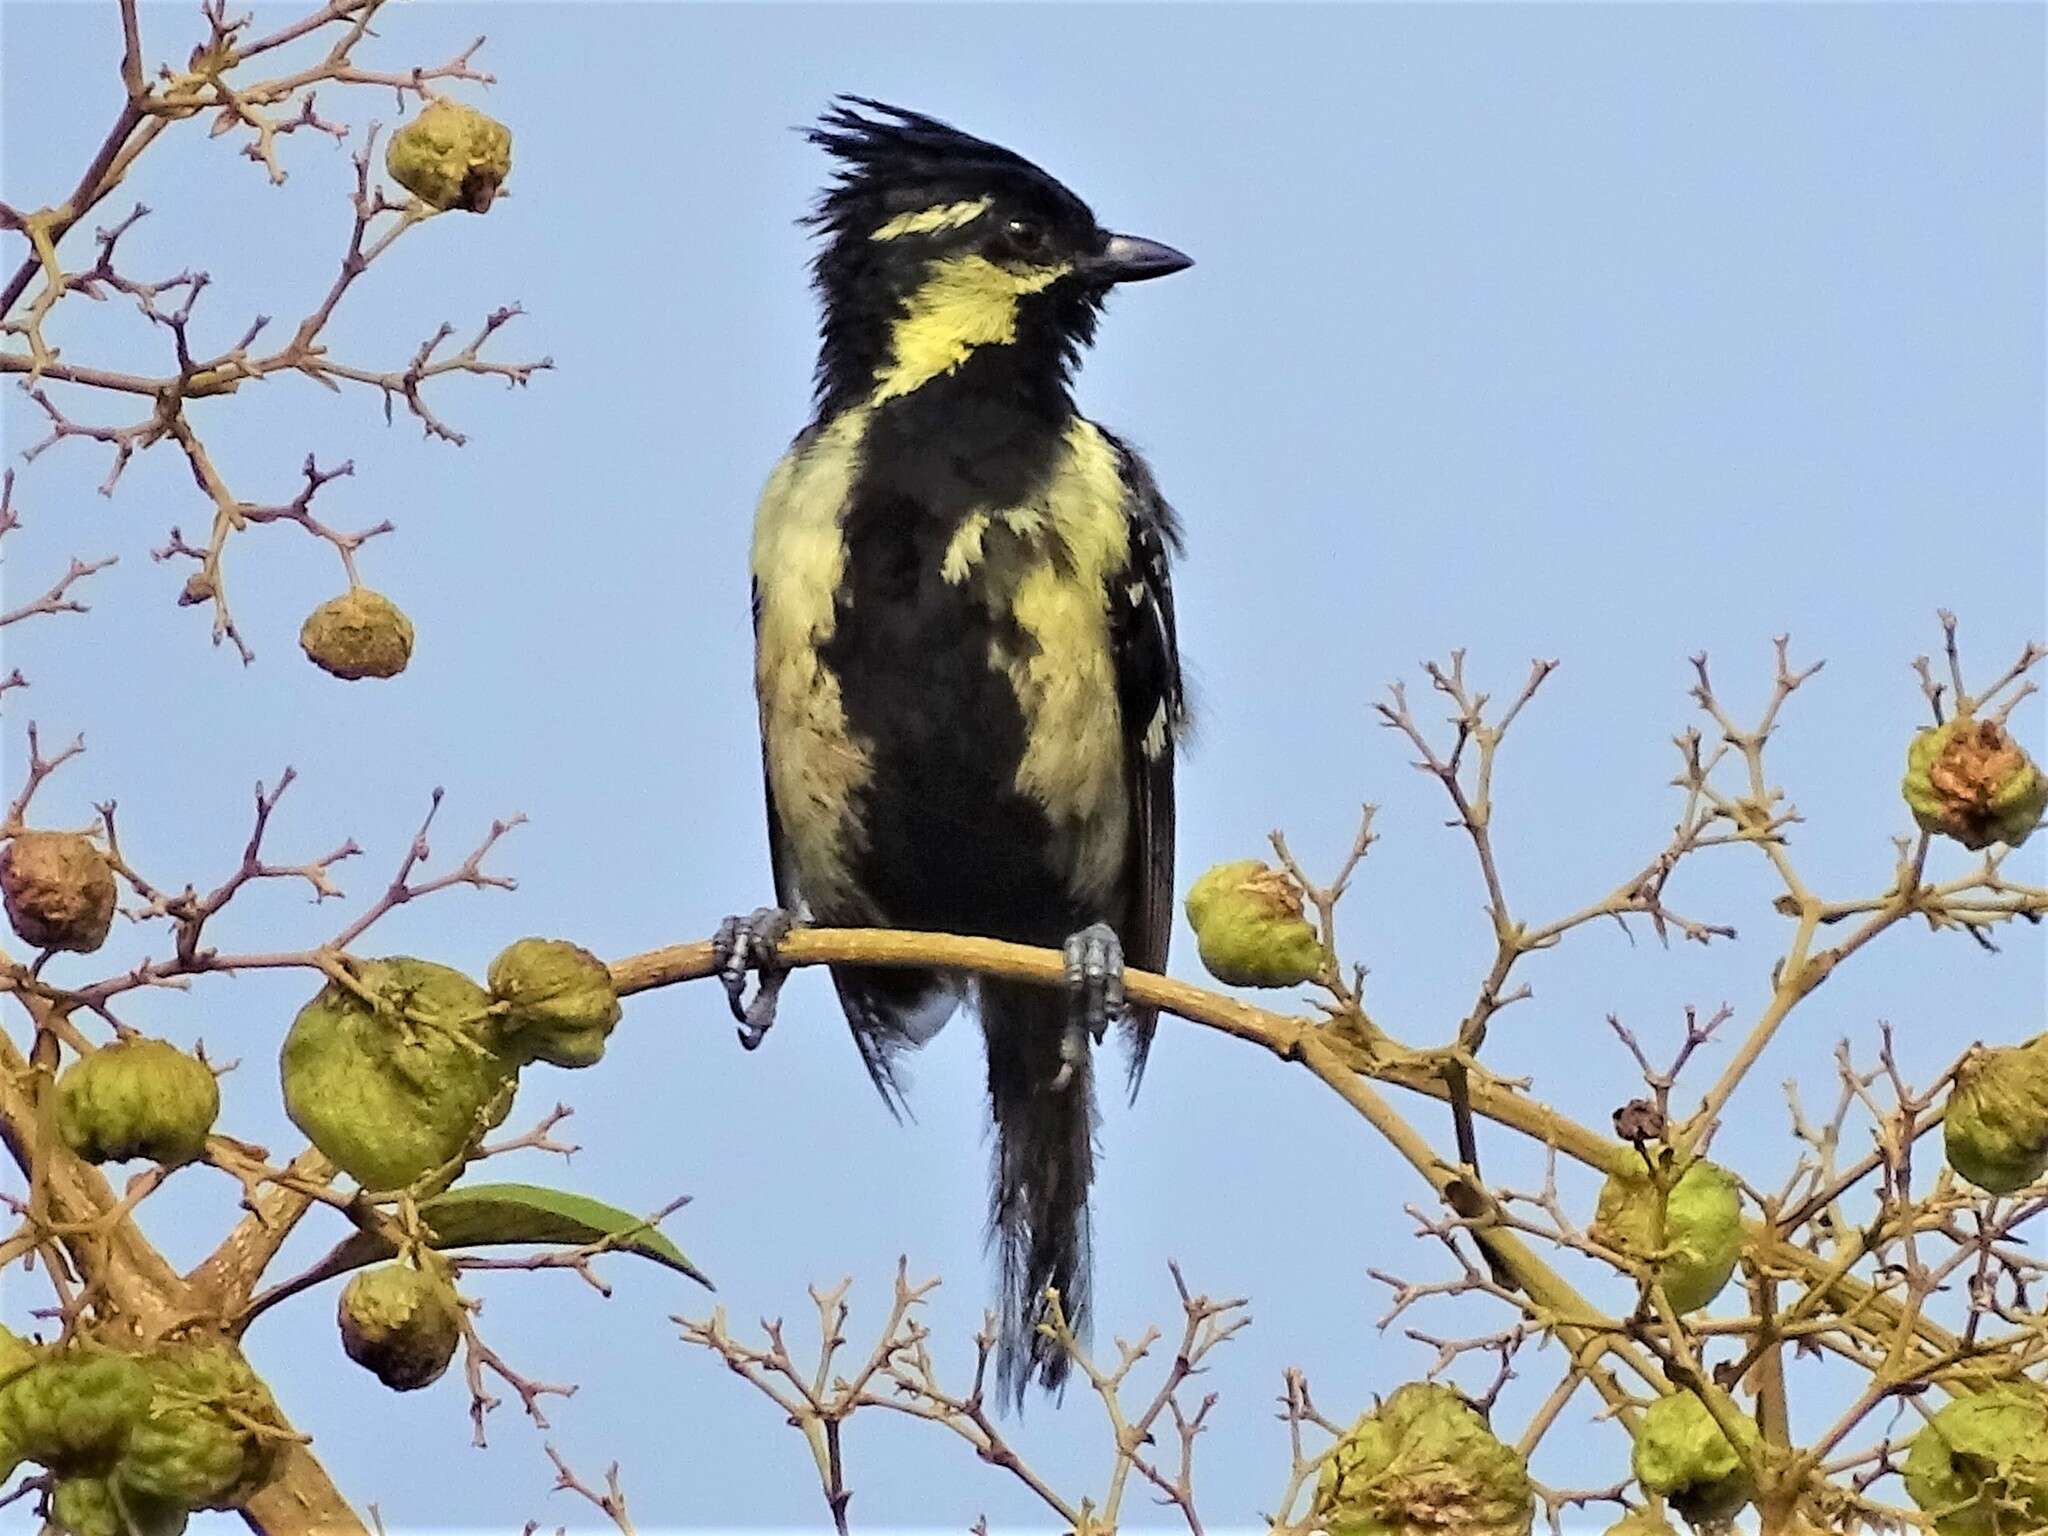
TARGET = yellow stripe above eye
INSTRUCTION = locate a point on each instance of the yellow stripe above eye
(929, 221)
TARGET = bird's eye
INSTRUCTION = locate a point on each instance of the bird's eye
(1026, 236)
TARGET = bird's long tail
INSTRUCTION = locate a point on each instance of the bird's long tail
(1044, 1161)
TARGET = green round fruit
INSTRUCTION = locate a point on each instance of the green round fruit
(1249, 927)
(1967, 779)
(1682, 1454)
(451, 156)
(73, 1410)
(561, 1005)
(58, 890)
(394, 1091)
(1640, 1522)
(97, 1506)
(137, 1098)
(1692, 1236)
(1996, 1128)
(356, 635)
(1980, 1468)
(1423, 1463)
(213, 1434)
(401, 1324)
(17, 1355)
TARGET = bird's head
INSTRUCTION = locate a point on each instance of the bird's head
(941, 248)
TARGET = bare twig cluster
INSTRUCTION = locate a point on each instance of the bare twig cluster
(60, 597)
(1152, 1432)
(128, 412)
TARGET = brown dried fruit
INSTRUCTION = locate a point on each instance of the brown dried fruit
(59, 890)
(1971, 781)
(356, 635)
(1639, 1120)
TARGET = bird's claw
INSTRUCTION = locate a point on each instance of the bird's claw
(1095, 994)
(750, 943)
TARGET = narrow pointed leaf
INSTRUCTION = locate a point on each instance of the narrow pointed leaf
(495, 1215)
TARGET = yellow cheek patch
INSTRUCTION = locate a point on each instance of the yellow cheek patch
(966, 302)
(931, 221)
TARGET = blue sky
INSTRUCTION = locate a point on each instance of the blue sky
(1604, 333)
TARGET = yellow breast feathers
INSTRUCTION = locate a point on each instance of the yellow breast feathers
(1048, 562)
(815, 766)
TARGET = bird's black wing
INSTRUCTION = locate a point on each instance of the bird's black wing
(1154, 709)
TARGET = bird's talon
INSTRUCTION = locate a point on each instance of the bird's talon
(745, 944)
(1112, 1000)
(1095, 986)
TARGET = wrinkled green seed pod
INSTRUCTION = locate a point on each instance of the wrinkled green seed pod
(85, 1506)
(1682, 1454)
(202, 1444)
(1249, 927)
(137, 1098)
(356, 635)
(1996, 1128)
(401, 1324)
(1694, 1234)
(58, 890)
(72, 1410)
(396, 1091)
(1980, 1468)
(451, 156)
(1640, 1522)
(562, 1005)
(1969, 780)
(16, 1356)
(1423, 1463)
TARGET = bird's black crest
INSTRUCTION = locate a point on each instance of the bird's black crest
(893, 160)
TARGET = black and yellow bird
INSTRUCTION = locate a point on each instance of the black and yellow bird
(968, 675)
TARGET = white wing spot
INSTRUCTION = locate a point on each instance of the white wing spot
(1156, 733)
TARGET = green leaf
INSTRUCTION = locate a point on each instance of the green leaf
(484, 1214)
(488, 1215)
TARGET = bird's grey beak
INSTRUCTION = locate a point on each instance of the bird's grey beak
(1128, 259)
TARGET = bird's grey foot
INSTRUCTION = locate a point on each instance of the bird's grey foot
(750, 943)
(1095, 994)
